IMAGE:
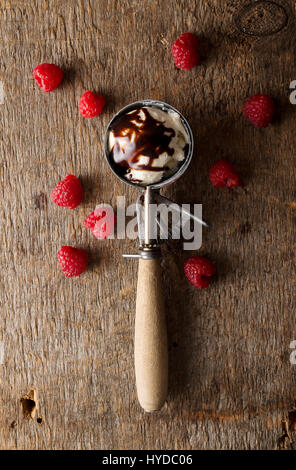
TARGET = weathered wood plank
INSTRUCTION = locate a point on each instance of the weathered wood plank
(231, 382)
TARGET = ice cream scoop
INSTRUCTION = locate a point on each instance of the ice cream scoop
(149, 144)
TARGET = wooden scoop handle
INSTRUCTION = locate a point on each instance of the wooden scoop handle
(151, 356)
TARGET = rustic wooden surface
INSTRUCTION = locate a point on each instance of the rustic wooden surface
(67, 344)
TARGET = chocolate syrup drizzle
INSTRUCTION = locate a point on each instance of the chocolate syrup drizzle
(145, 136)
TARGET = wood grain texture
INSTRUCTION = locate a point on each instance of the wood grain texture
(231, 383)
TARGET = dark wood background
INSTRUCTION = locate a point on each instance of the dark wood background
(70, 341)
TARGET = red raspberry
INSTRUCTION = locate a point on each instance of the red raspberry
(223, 174)
(90, 221)
(91, 104)
(259, 109)
(185, 51)
(73, 261)
(100, 222)
(68, 193)
(48, 76)
(198, 271)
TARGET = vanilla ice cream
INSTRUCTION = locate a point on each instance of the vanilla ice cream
(147, 144)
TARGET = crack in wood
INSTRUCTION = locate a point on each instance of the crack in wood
(286, 440)
(29, 404)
